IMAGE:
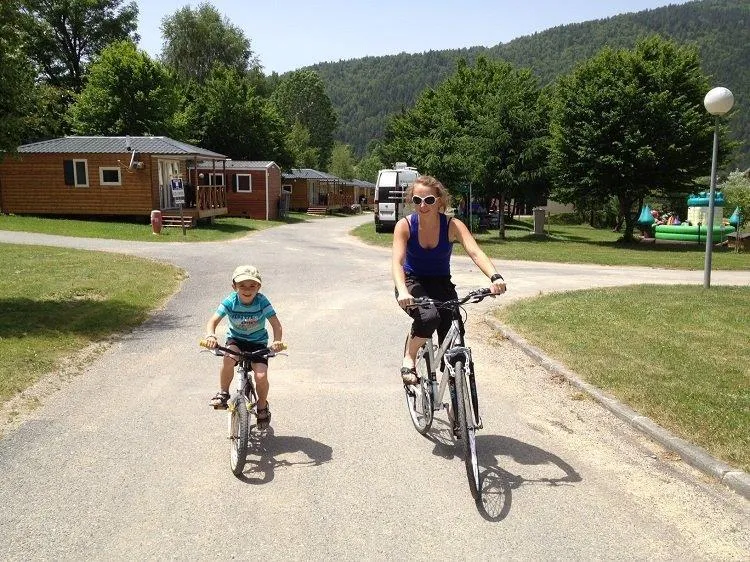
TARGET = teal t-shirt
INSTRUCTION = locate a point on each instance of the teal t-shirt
(247, 321)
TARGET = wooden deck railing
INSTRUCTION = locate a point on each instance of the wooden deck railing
(338, 201)
(211, 197)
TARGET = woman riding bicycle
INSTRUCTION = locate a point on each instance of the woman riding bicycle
(422, 246)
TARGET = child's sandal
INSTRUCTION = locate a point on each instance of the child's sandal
(264, 417)
(219, 401)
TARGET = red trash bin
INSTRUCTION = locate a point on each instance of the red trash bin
(156, 223)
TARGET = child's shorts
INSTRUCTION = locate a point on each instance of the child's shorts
(249, 347)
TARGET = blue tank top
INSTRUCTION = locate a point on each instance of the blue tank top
(422, 262)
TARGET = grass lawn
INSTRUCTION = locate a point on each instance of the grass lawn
(55, 302)
(677, 354)
(223, 228)
(583, 244)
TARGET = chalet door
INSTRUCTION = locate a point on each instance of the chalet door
(312, 194)
(168, 169)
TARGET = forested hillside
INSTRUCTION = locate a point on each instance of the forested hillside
(365, 91)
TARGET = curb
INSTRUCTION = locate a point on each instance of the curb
(697, 457)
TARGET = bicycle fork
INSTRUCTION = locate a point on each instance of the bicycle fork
(464, 354)
(244, 387)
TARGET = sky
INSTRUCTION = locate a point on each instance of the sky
(290, 34)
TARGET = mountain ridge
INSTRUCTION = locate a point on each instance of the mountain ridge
(365, 91)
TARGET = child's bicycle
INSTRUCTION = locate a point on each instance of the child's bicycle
(454, 361)
(242, 405)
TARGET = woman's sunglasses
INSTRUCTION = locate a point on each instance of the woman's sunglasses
(429, 200)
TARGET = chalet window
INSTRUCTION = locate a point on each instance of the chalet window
(110, 176)
(286, 188)
(76, 173)
(243, 183)
(215, 179)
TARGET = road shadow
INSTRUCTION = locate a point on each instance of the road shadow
(267, 449)
(497, 484)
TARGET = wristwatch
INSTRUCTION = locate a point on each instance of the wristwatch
(496, 277)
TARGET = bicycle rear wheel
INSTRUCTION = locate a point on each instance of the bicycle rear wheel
(419, 396)
(239, 433)
(467, 429)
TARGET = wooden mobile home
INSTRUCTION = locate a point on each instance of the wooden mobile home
(253, 188)
(318, 192)
(127, 176)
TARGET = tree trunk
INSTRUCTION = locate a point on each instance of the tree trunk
(501, 217)
(625, 206)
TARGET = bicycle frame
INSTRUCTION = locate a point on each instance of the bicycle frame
(452, 349)
(425, 397)
(245, 385)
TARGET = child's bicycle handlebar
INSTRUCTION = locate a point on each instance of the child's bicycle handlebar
(241, 355)
(473, 296)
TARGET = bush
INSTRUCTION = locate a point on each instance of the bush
(737, 194)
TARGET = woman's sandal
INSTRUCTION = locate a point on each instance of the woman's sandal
(219, 401)
(409, 375)
(264, 417)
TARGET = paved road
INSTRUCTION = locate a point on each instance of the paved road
(128, 462)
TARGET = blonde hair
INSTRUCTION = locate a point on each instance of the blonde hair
(444, 197)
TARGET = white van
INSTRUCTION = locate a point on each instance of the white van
(390, 187)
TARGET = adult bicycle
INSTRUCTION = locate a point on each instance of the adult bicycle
(243, 404)
(453, 359)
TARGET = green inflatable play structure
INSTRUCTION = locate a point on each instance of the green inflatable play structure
(695, 229)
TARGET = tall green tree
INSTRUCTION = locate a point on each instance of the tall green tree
(483, 125)
(229, 117)
(65, 35)
(342, 161)
(298, 144)
(127, 93)
(46, 118)
(301, 97)
(195, 40)
(16, 79)
(630, 123)
(368, 167)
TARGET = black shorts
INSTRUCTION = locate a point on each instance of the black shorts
(428, 319)
(249, 347)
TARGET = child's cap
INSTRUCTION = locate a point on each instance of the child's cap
(246, 273)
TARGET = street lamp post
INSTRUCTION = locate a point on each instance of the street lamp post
(717, 102)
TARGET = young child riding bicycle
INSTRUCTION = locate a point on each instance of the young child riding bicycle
(246, 310)
(422, 246)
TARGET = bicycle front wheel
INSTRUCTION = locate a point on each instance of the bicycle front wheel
(419, 396)
(467, 429)
(239, 433)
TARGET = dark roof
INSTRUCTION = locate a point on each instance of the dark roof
(118, 145)
(363, 183)
(242, 164)
(308, 174)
